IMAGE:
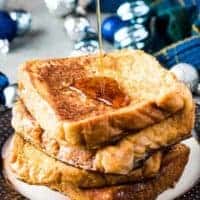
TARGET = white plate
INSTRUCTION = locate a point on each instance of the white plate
(189, 177)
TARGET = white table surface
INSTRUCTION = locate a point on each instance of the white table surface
(46, 39)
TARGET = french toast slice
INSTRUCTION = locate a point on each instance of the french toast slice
(70, 97)
(169, 174)
(34, 167)
(120, 158)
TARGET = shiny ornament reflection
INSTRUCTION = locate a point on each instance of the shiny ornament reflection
(76, 27)
(10, 95)
(135, 11)
(134, 36)
(23, 20)
(187, 74)
(61, 8)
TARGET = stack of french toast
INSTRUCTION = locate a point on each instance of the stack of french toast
(101, 132)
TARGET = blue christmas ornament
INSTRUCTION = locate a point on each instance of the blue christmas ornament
(8, 27)
(3, 81)
(23, 20)
(13, 24)
(110, 25)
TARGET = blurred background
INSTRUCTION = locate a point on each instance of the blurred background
(168, 29)
(47, 37)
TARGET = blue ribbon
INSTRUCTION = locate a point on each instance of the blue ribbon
(186, 51)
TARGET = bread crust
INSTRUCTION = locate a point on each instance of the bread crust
(172, 166)
(35, 167)
(150, 189)
(44, 87)
(120, 158)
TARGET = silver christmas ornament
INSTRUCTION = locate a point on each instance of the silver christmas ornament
(61, 8)
(77, 27)
(135, 11)
(81, 6)
(84, 3)
(187, 74)
(81, 11)
(4, 46)
(86, 47)
(197, 91)
(10, 94)
(134, 36)
(75, 53)
(23, 20)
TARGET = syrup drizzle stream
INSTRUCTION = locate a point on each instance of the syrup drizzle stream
(98, 12)
(103, 89)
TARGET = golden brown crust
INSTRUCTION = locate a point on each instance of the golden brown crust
(55, 78)
(35, 167)
(120, 158)
(169, 175)
(172, 167)
(78, 120)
